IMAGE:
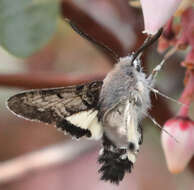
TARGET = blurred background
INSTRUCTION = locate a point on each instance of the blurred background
(68, 59)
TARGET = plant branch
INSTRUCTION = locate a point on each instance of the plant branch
(45, 80)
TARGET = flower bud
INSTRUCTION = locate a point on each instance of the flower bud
(178, 152)
(157, 12)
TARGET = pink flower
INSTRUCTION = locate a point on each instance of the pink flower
(178, 153)
(157, 13)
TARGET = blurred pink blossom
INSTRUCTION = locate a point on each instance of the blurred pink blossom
(157, 13)
(178, 153)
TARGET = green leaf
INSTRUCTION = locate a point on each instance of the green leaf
(27, 25)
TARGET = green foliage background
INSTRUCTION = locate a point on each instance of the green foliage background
(27, 25)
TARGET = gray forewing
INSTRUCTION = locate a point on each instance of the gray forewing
(49, 105)
(53, 106)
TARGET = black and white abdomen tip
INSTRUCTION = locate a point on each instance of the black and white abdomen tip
(114, 162)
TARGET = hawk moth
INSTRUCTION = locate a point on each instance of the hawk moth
(110, 109)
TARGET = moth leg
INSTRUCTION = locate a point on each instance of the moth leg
(156, 70)
(165, 96)
(114, 162)
(160, 127)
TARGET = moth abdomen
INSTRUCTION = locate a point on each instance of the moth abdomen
(114, 162)
(114, 170)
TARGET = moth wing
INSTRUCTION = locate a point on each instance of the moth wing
(72, 109)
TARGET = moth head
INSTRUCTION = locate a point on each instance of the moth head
(129, 65)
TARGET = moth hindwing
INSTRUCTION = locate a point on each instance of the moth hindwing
(72, 109)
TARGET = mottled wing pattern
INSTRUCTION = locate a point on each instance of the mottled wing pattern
(72, 109)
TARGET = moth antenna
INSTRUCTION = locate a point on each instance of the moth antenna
(148, 42)
(165, 96)
(159, 126)
(112, 53)
(156, 70)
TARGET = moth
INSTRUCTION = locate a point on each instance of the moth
(110, 110)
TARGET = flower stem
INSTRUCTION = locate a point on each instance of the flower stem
(187, 95)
